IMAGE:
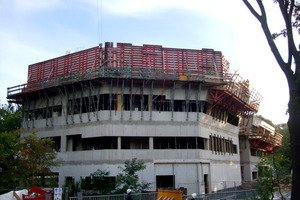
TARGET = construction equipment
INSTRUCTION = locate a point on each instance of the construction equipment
(169, 194)
(36, 193)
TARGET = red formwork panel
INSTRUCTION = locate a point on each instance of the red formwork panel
(132, 60)
(78, 62)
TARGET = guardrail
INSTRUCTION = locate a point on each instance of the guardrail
(126, 72)
(237, 194)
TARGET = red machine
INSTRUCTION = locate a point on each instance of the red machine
(37, 193)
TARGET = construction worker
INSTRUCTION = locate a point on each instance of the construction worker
(194, 195)
(128, 197)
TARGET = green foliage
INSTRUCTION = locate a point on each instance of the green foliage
(9, 163)
(10, 118)
(129, 178)
(284, 155)
(103, 184)
(264, 184)
(37, 156)
(23, 161)
(100, 183)
(73, 187)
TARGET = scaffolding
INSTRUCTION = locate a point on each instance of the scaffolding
(260, 137)
(147, 62)
(237, 96)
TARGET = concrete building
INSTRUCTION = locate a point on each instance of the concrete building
(257, 138)
(178, 110)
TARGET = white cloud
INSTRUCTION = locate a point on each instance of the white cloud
(34, 5)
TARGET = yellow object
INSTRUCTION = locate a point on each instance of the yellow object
(169, 194)
(182, 77)
(119, 102)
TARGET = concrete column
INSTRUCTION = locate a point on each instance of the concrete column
(119, 142)
(150, 142)
(63, 144)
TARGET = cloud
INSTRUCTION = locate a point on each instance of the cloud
(146, 8)
(34, 5)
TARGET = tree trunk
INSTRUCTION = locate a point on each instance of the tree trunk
(294, 128)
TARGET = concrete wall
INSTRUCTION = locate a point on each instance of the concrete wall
(223, 169)
(188, 165)
(247, 161)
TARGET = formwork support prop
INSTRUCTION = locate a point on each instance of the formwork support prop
(53, 100)
(98, 102)
(130, 100)
(187, 103)
(73, 101)
(67, 104)
(91, 100)
(142, 100)
(47, 107)
(122, 99)
(110, 97)
(198, 102)
(151, 100)
(172, 100)
(28, 111)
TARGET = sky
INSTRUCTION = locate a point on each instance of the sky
(32, 31)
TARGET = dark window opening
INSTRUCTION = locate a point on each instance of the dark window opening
(167, 181)
(101, 184)
(126, 102)
(192, 106)
(179, 143)
(136, 102)
(257, 152)
(234, 148)
(233, 119)
(164, 142)
(57, 110)
(69, 181)
(135, 143)
(43, 113)
(95, 143)
(178, 105)
(56, 143)
(254, 175)
(160, 103)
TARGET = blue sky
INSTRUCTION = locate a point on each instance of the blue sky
(36, 30)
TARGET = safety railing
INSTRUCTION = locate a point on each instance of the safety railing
(259, 133)
(237, 194)
(126, 72)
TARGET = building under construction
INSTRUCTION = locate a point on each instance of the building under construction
(178, 110)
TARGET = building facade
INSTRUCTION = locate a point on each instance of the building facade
(257, 138)
(178, 110)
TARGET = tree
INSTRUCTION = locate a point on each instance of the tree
(10, 118)
(291, 16)
(264, 184)
(10, 121)
(129, 179)
(100, 183)
(9, 147)
(37, 156)
(283, 154)
(25, 159)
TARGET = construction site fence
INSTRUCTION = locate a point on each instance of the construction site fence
(237, 194)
